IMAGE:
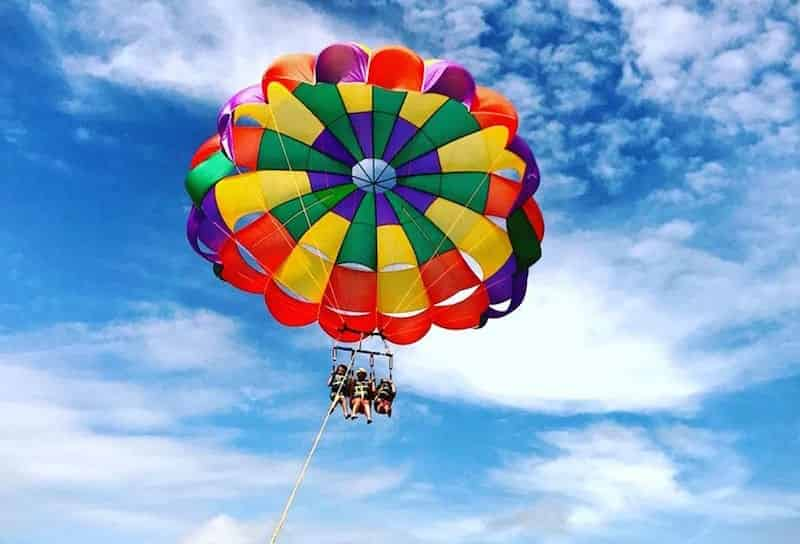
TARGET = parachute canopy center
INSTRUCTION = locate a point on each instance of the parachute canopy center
(374, 175)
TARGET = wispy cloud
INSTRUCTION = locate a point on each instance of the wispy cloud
(731, 74)
(605, 473)
(143, 452)
(629, 322)
(162, 46)
(161, 338)
(600, 480)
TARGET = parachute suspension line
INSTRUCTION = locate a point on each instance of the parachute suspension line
(446, 235)
(285, 237)
(304, 210)
(282, 520)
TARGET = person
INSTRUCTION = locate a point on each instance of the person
(362, 392)
(384, 396)
(339, 389)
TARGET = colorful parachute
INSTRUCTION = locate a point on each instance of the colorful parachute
(371, 192)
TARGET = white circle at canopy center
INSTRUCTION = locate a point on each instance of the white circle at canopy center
(374, 175)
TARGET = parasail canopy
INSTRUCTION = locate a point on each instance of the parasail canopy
(369, 191)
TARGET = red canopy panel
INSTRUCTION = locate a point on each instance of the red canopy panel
(287, 309)
(396, 68)
(447, 274)
(352, 290)
(290, 71)
(465, 314)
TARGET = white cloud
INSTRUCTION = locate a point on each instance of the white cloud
(606, 474)
(87, 464)
(774, 44)
(13, 132)
(561, 186)
(531, 13)
(695, 443)
(609, 471)
(586, 9)
(588, 337)
(174, 340)
(616, 322)
(613, 163)
(102, 402)
(712, 73)
(226, 529)
(523, 93)
(518, 42)
(710, 177)
(732, 69)
(573, 484)
(141, 454)
(40, 13)
(207, 52)
(770, 101)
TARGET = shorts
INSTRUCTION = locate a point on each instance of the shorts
(383, 406)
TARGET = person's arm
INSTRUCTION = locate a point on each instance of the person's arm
(330, 380)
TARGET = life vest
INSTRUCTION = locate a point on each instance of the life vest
(337, 381)
(361, 389)
(385, 391)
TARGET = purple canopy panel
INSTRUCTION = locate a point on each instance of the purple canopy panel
(419, 199)
(450, 79)
(193, 224)
(328, 144)
(519, 284)
(213, 231)
(499, 285)
(211, 210)
(384, 211)
(530, 178)
(401, 134)
(349, 205)
(426, 164)
(362, 124)
(325, 180)
(342, 62)
(206, 225)
(249, 95)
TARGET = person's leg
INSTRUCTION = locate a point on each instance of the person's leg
(368, 411)
(340, 401)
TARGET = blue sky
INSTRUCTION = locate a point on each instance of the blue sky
(645, 392)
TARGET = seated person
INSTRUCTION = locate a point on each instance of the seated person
(362, 392)
(339, 389)
(384, 396)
